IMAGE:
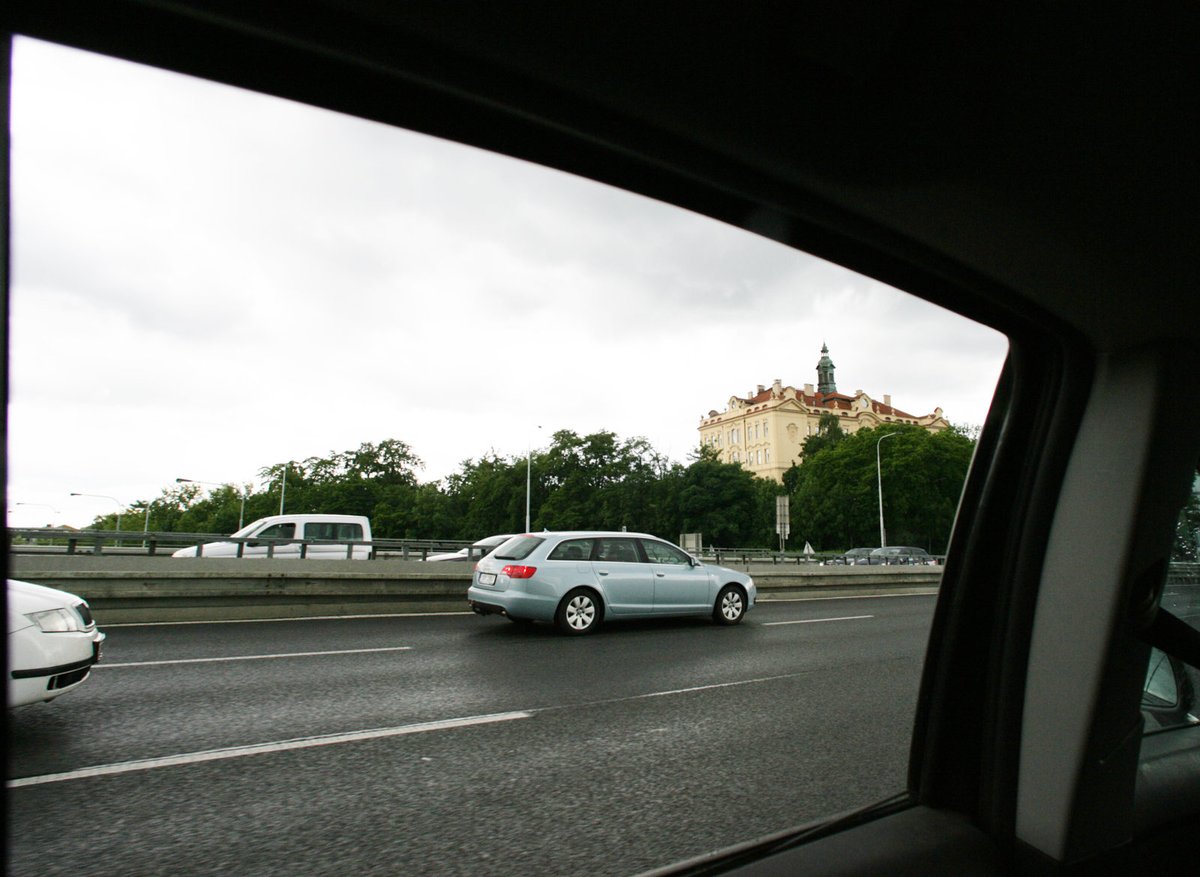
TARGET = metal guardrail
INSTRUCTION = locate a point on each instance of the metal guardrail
(781, 558)
(48, 540)
(1180, 573)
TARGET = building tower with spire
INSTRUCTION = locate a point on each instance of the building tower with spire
(766, 429)
(825, 381)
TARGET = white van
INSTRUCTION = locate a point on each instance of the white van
(274, 535)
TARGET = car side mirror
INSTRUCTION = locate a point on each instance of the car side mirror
(1168, 695)
(1161, 689)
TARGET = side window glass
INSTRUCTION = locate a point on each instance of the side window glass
(319, 531)
(1170, 692)
(618, 551)
(278, 531)
(349, 532)
(572, 549)
(659, 552)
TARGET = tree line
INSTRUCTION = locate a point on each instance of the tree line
(601, 481)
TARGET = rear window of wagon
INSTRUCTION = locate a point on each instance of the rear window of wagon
(518, 547)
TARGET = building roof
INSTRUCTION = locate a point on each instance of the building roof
(835, 401)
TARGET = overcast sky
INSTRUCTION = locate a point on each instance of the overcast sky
(207, 281)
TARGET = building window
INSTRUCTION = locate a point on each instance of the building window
(767, 455)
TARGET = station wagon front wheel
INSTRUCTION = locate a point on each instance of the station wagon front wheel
(731, 605)
(578, 613)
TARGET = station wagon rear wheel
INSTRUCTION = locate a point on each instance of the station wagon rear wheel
(578, 613)
(731, 605)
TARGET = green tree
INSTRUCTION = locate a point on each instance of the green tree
(835, 496)
(601, 482)
(829, 433)
(723, 502)
(1186, 547)
(486, 497)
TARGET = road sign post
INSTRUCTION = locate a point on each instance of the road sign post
(783, 519)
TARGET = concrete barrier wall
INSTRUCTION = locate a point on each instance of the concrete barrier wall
(128, 589)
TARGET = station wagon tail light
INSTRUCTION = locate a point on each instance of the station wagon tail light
(519, 572)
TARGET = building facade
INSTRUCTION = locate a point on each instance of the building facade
(765, 430)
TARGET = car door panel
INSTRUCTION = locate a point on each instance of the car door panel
(623, 576)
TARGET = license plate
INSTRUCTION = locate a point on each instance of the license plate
(487, 578)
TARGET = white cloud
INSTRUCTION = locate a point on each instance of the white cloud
(208, 281)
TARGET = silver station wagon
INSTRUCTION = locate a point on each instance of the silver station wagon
(578, 579)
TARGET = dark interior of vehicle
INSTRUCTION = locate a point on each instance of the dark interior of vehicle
(1032, 166)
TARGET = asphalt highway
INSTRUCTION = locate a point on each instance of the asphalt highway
(451, 744)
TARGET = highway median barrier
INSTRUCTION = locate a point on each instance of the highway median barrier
(141, 589)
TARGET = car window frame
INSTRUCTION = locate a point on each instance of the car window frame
(966, 749)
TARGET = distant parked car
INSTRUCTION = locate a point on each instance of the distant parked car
(853, 557)
(52, 643)
(579, 579)
(901, 555)
(477, 550)
(274, 535)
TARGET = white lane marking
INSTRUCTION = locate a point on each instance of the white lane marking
(250, 657)
(673, 691)
(298, 618)
(695, 688)
(769, 599)
(264, 749)
(816, 620)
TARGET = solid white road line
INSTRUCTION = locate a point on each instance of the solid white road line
(816, 620)
(264, 749)
(299, 618)
(769, 599)
(103, 665)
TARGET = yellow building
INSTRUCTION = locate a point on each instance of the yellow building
(766, 429)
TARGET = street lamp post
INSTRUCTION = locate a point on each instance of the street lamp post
(120, 508)
(282, 486)
(44, 505)
(241, 513)
(528, 482)
(41, 505)
(879, 482)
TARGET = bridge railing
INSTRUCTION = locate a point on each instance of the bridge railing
(780, 558)
(51, 540)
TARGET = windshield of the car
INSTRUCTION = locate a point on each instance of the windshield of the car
(248, 529)
(449, 342)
